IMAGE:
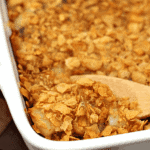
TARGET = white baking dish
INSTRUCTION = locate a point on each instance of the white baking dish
(10, 88)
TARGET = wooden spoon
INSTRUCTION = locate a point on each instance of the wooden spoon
(125, 88)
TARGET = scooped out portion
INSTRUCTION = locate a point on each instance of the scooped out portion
(83, 109)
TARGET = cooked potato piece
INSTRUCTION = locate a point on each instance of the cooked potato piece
(44, 125)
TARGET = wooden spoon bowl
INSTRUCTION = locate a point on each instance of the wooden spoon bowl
(125, 88)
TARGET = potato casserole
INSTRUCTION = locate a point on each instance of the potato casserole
(53, 40)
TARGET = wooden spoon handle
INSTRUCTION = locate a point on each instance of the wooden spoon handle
(125, 88)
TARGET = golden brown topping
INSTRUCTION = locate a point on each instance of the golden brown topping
(85, 82)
